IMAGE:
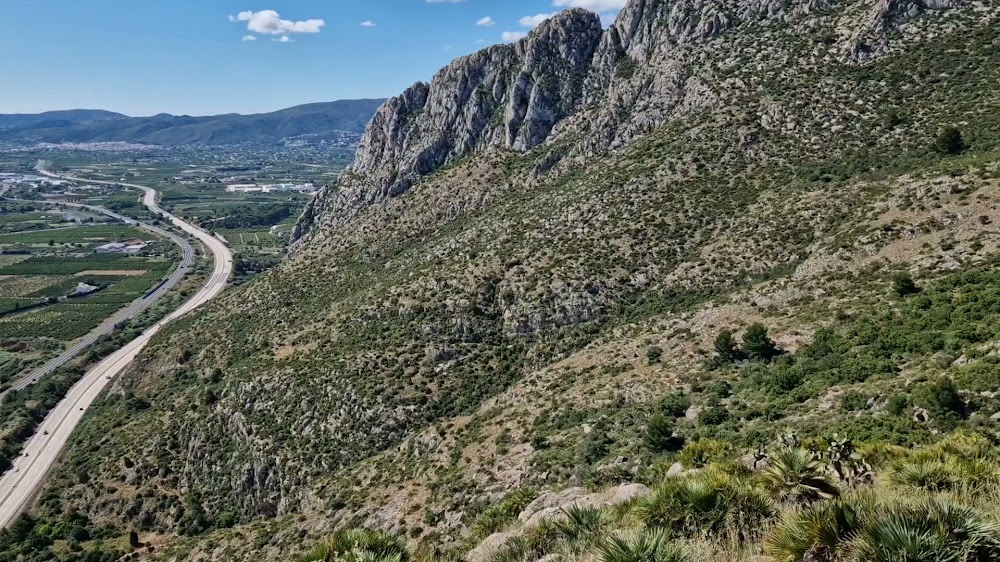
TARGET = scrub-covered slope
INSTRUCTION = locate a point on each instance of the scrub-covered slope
(542, 243)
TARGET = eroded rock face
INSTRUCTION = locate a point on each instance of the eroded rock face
(503, 97)
(871, 36)
(569, 79)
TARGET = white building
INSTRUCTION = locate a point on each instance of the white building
(289, 187)
(245, 188)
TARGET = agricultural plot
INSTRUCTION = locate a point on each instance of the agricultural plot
(64, 321)
(8, 305)
(124, 202)
(25, 285)
(38, 285)
(65, 265)
(74, 316)
(85, 236)
(248, 237)
(10, 259)
(19, 222)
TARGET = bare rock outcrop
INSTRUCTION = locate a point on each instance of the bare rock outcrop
(572, 80)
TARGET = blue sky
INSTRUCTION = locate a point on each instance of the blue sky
(198, 57)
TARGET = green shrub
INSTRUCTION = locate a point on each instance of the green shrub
(704, 504)
(701, 453)
(595, 445)
(897, 404)
(821, 531)
(950, 141)
(931, 475)
(942, 401)
(498, 516)
(757, 344)
(660, 435)
(713, 415)
(928, 530)
(654, 354)
(852, 401)
(726, 349)
(903, 285)
(794, 474)
(640, 546)
(360, 545)
(582, 527)
(675, 405)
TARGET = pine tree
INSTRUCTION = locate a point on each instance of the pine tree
(725, 346)
(660, 435)
(757, 344)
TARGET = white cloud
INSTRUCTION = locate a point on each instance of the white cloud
(368, 23)
(283, 39)
(511, 36)
(249, 38)
(268, 22)
(533, 21)
(593, 5)
(485, 22)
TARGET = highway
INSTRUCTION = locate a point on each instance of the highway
(20, 484)
(133, 309)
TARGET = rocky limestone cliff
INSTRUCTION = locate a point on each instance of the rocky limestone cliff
(569, 79)
(503, 97)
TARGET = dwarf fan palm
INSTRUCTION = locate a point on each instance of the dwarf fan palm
(794, 474)
(640, 546)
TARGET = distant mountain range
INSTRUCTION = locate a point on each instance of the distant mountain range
(316, 121)
(74, 116)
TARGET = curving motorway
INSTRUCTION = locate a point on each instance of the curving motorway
(19, 485)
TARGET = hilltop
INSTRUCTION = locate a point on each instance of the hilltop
(338, 120)
(566, 264)
(74, 116)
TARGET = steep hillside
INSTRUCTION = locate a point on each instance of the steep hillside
(318, 121)
(536, 252)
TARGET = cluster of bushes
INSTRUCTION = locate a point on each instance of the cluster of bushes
(923, 505)
(661, 431)
(29, 540)
(359, 545)
(756, 345)
(753, 385)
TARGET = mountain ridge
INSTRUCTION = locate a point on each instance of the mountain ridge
(308, 120)
(67, 115)
(569, 75)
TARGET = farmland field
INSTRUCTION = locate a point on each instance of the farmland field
(41, 284)
(63, 321)
(249, 237)
(85, 235)
(192, 184)
(8, 259)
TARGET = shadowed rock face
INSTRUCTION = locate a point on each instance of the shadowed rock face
(607, 87)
